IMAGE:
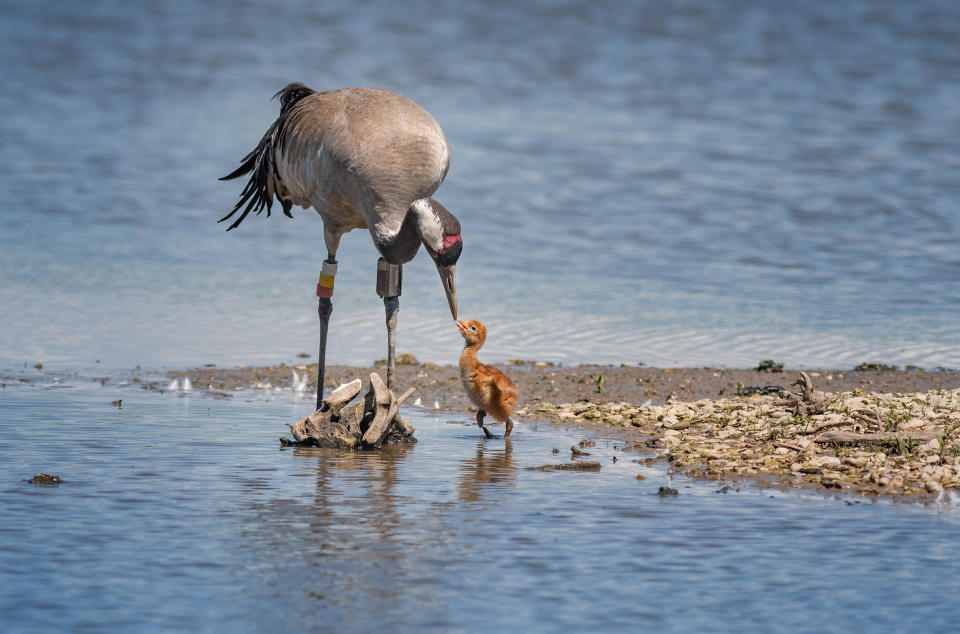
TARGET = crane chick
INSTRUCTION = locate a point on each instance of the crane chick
(488, 388)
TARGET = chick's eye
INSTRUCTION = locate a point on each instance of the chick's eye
(473, 328)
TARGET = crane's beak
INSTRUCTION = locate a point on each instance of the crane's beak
(448, 275)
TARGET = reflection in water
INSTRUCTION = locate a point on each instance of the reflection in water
(491, 464)
(358, 486)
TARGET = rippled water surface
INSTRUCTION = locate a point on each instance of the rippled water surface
(675, 183)
(183, 514)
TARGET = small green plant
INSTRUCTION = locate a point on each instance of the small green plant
(910, 444)
(904, 446)
(724, 420)
(894, 418)
(841, 450)
(598, 382)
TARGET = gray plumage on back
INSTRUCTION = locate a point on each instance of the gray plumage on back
(360, 157)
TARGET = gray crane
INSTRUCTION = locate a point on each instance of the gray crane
(362, 158)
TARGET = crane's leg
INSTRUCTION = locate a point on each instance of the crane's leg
(324, 308)
(389, 282)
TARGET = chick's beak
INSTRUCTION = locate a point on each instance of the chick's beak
(448, 275)
(461, 326)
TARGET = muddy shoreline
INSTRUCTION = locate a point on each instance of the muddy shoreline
(543, 382)
(879, 432)
(897, 432)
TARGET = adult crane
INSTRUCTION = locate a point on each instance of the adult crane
(362, 158)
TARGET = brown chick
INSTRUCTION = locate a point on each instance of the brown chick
(488, 388)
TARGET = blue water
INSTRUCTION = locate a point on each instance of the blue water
(183, 514)
(678, 183)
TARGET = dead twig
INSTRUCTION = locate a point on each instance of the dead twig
(809, 402)
(873, 422)
(863, 439)
(821, 427)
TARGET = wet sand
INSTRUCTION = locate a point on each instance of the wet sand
(902, 427)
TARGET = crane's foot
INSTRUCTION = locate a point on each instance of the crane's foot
(480, 415)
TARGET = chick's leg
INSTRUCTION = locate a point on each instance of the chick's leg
(480, 415)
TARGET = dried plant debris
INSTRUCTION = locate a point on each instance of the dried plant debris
(45, 479)
(568, 466)
(875, 367)
(769, 365)
(876, 444)
(809, 401)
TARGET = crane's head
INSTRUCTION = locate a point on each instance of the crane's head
(440, 233)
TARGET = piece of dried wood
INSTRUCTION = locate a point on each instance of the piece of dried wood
(406, 395)
(829, 425)
(366, 424)
(341, 396)
(879, 437)
(873, 421)
(809, 401)
(382, 421)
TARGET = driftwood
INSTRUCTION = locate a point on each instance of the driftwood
(809, 401)
(863, 439)
(366, 424)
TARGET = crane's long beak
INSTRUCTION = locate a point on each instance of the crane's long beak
(448, 275)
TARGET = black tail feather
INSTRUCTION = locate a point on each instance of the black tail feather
(245, 167)
(291, 94)
(264, 179)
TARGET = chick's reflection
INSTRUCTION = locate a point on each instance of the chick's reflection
(492, 467)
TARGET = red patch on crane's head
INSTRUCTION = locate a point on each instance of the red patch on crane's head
(450, 253)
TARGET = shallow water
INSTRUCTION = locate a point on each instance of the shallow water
(676, 184)
(183, 514)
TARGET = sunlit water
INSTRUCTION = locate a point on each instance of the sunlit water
(677, 183)
(183, 514)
